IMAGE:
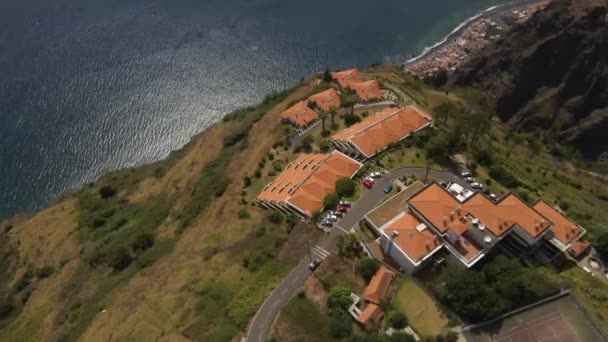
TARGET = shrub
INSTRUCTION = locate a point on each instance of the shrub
(345, 187)
(503, 176)
(44, 272)
(257, 173)
(367, 267)
(524, 195)
(260, 231)
(396, 320)
(340, 326)
(325, 133)
(143, 242)
(483, 156)
(330, 200)
(243, 214)
(292, 221)
(246, 181)
(6, 307)
(106, 192)
(350, 120)
(274, 217)
(120, 259)
(324, 146)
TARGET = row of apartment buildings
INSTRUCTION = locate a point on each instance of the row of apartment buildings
(425, 223)
(302, 115)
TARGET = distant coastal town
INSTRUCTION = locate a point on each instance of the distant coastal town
(470, 38)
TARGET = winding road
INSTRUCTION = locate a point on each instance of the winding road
(289, 286)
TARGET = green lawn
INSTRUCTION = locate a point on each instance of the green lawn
(422, 312)
(412, 156)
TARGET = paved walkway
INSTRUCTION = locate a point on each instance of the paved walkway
(370, 198)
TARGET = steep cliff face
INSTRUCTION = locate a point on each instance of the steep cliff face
(551, 73)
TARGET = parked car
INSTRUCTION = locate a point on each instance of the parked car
(342, 209)
(371, 180)
(486, 191)
(327, 223)
(314, 264)
(388, 188)
(476, 185)
(375, 174)
(493, 197)
(470, 180)
(344, 203)
(332, 218)
(335, 213)
(465, 173)
(367, 183)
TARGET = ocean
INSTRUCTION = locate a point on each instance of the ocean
(92, 86)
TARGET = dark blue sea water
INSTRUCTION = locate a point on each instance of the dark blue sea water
(88, 86)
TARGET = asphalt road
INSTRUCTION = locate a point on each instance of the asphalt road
(289, 286)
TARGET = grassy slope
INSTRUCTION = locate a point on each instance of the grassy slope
(161, 292)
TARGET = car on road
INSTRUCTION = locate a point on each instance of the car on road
(342, 209)
(344, 203)
(371, 180)
(465, 173)
(493, 197)
(327, 223)
(332, 218)
(470, 180)
(388, 188)
(375, 174)
(367, 183)
(314, 264)
(476, 185)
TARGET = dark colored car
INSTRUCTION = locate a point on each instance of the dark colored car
(388, 188)
(342, 209)
(314, 264)
(367, 183)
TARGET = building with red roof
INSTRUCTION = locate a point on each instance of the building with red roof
(346, 77)
(378, 131)
(326, 100)
(300, 115)
(366, 91)
(302, 185)
(433, 219)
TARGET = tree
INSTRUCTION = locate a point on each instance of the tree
(400, 336)
(338, 299)
(443, 112)
(514, 139)
(340, 326)
(367, 267)
(348, 245)
(348, 100)
(345, 187)
(439, 149)
(330, 200)
(601, 242)
(396, 320)
(323, 117)
(6, 307)
(324, 146)
(332, 112)
(120, 259)
(246, 181)
(306, 143)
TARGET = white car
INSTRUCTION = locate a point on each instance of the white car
(375, 175)
(344, 203)
(476, 185)
(334, 213)
(370, 179)
(470, 180)
(493, 197)
(332, 218)
(465, 174)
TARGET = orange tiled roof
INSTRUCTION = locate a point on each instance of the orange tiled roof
(344, 78)
(388, 126)
(309, 196)
(327, 99)
(288, 181)
(376, 290)
(442, 210)
(415, 244)
(579, 248)
(437, 206)
(300, 114)
(563, 229)
(366, 90)
(371, 313)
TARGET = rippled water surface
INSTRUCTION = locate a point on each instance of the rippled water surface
(90, 86)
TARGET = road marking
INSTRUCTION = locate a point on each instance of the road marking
(284, 292)
(320, 252)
